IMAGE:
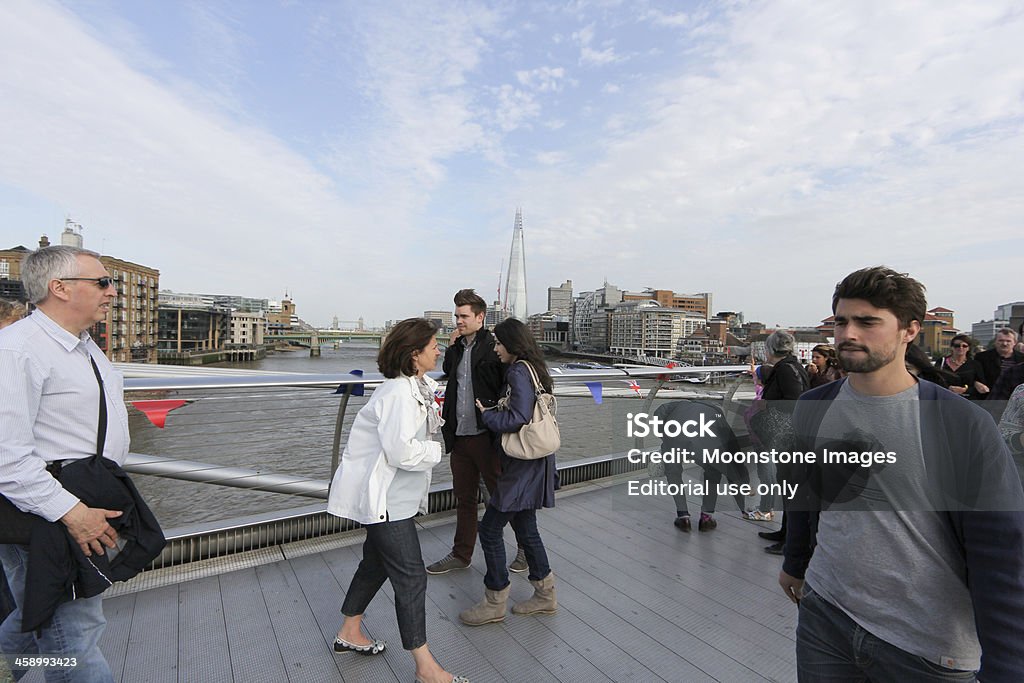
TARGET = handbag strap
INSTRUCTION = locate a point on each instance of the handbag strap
(101, 429)
(533, 375)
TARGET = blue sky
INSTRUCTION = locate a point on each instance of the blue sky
(369, 157)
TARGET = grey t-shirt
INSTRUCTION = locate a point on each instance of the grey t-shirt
(465, 406)
(898, 573)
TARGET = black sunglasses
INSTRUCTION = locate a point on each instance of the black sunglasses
(960, 346)
(101, 282)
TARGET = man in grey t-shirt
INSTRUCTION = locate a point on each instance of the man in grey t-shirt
(901, 587)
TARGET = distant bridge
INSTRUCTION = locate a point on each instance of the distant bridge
(320, 337)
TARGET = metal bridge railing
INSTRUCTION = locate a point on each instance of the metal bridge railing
(190, 542)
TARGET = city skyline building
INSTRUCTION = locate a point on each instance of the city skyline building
(442, 319)
(130, 330)
(11, 287)
(560, 299)
(71, 237)
(247, 327)
(515, 280)
(646, 328)
(984, 331)
(495, 314)
(1012, 312)
(696, 303)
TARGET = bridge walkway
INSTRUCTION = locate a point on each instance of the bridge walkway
(639, 601)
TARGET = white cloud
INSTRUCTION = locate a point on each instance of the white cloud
(762, 153)
(660, 18)
(418, 59)
(598, 57)
(152, 179)
(813, 141)
(550, 158)
(515, 108)
(543, 79)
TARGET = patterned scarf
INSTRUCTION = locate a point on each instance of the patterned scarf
(434, 420)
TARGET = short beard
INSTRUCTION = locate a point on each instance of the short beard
(871, 362)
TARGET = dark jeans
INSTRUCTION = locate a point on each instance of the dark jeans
(712, 477)
(832, 648)
(472, 457)
(392, 551)
(524, 524)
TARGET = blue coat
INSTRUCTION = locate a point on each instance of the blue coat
(523, 484)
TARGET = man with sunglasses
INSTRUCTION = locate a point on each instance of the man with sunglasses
(48, 416)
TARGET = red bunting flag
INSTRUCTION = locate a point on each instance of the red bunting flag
(157, 411)
(663, 378)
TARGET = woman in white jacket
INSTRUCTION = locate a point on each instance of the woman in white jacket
(382, 482)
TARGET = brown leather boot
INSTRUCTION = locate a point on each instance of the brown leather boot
(487, 611)
(543, 600)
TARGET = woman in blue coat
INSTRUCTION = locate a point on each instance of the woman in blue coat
(523, 487)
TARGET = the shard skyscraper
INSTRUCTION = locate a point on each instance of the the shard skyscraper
(515, 280)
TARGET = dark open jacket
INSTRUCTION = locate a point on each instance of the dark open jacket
(488, 374)
(991, 366)
(1007, 382)
(786, 382)
(971, 462)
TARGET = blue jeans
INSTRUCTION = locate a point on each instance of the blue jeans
(766, 475)
(524, 524)
(74, 631)
(392, 551)
(832, 648)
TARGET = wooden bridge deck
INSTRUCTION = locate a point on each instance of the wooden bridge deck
(639, 601)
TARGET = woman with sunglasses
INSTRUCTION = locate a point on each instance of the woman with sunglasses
(961, 363)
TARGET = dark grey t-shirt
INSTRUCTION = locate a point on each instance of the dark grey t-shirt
(465, 406)
(898, 573)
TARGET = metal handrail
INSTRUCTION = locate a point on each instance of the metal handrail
(370, 379)
(202, 541)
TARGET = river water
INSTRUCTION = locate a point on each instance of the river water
(290, 431)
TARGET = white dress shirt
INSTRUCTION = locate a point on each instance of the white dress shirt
(50, 411)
